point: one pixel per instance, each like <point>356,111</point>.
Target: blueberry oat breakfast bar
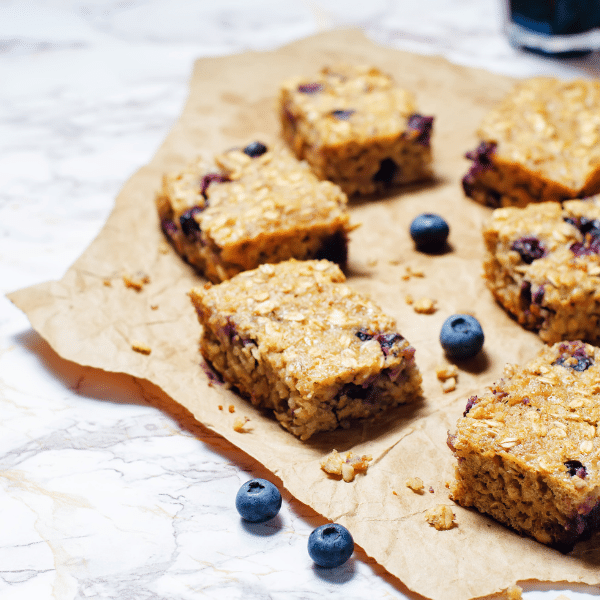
<point>252,206</point>
<point>356,127</point>
<point>528,450</point>
<point>542,264</point>
<point>539,144</point>
<point>294,338</point>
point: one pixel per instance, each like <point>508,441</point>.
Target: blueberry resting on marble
<point>330,545</point>
<point>258,500</point>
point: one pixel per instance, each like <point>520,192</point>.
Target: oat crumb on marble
<point>345,465</point>
<point>441,517</point>
<point>416,485</point>
<point>514,592</point>
<point>141,348</point>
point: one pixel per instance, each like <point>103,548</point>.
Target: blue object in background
<point>534,25</point>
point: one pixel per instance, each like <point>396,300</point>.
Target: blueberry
<point>330,545</point>
<point>529,248</point>
<point>258,500</point>
<point>461,336</point>
<point>342,115</point>
<point>255,149</point>
<point>429,231</point>
<point>310,88</point>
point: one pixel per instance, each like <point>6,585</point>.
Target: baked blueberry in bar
<point>528,448</point>
<point>542,264</point>
<point>251,206</point>
<point>294,338</point>
<point>357,128</point>
<point>539,144</point>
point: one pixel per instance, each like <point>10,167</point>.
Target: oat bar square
<point>539,144</point>
<point>294,338</point>
<point>542,264</point>
<point>357,128</point>
<point>528,449</point>
<point>252,206</point>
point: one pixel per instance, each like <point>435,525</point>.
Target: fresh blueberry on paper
<point>330,545</point>
<point>429,232</point>
<point>258,500</point>
<point>461,336</point>
<point>255,149</point>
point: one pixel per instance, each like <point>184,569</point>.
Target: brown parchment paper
<point>231,102</point>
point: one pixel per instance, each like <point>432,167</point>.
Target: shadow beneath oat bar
<point>368,430</point>
<point>397,191</point>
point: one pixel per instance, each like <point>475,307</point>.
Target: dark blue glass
<point>534,23</point>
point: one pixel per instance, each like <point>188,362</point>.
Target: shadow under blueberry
<point>476,365</point>
<point>265,529</point>
<point>337,575</point>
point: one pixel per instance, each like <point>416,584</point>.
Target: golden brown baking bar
<point>541,143</point>
<point>542,264</point>
<point>528,449</point>
<point>357,128</point>
<point>294,338</point>
<point>250,206</point>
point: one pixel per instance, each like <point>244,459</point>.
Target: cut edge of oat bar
<point>523,461</point>
<point>323,386</point>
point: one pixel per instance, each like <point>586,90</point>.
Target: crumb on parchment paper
<point>425,306</point>
<point>345,465</point>
<point>409,272</point>
<point>240,423</point>
<point>441,517</point>
<point>416,485</point>
<point>448,375</point>
<point>141,348</point>
<point>137,281</point>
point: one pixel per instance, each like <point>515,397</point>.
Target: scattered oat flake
<point>137,281</point>
<point>107,283</point>
<point>409,299</point>
<point>444,372</point>
<point>441,517</point>
<point>408,273</point>
<point>514,592</point>
<point>425,306</point>
<point>220,407</point>
<point>449,385</point>
<point>154,306</point>
<point>372,262</point>
<point>415,484</point>
<point>141,348</point>
<point>239,423</point>
<point>345,465</point>
<point>231,408</point>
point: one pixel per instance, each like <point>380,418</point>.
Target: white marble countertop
<point>102,493</point>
